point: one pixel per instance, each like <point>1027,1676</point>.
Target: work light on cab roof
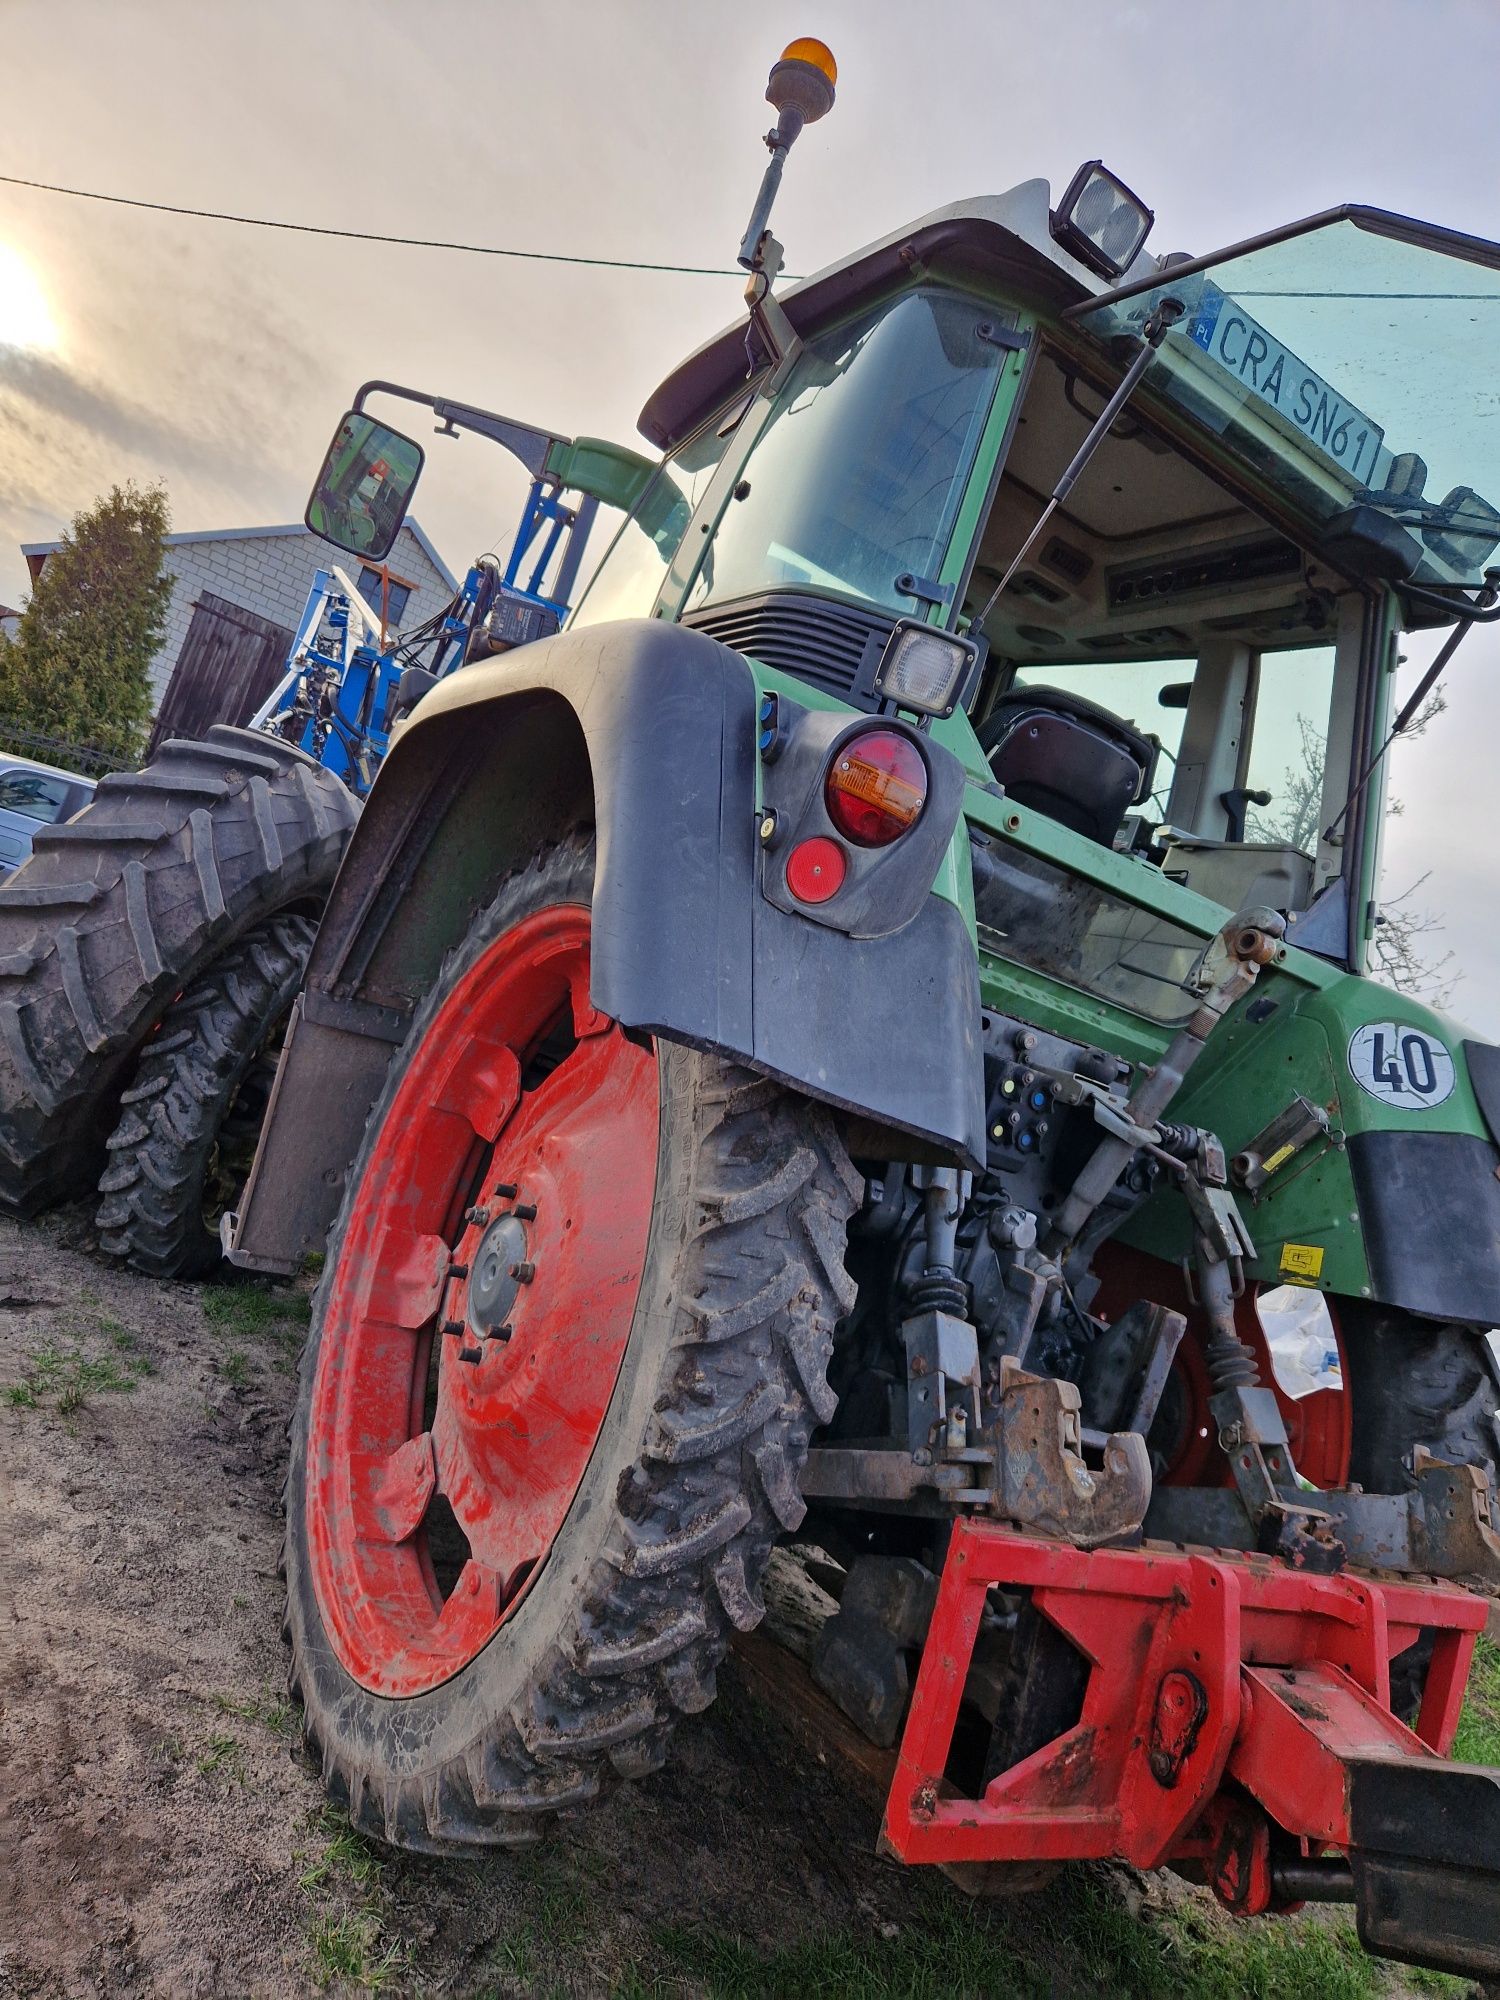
<point>1101,222</point>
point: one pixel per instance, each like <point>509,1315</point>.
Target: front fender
<point>649,731</point>
<point>1401,1205</point>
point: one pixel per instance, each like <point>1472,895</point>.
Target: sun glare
<point>25,318</point>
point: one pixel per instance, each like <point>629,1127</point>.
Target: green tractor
<point>863,1039</point>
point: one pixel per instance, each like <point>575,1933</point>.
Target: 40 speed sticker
<point>1401,1065</point>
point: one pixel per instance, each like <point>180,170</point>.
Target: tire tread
<point>118,911</point>
<point>713,1483</point>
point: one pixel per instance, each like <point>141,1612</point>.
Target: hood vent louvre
<point>827,643</point>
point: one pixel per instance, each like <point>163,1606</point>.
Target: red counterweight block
<point>1211,1676</point>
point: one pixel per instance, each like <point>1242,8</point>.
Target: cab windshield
<point>1351,364</point>
<point>635,565</point>
<point>855,481</point>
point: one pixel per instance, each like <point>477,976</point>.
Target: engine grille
<point>830,645</point>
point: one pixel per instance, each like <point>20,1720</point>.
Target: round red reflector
<point>815,869</point>
<point>876,788</point>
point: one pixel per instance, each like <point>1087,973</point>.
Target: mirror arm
<point>1481,610</point>
<point>527,443</point>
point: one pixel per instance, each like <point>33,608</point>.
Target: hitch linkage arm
<point>1249,941</point>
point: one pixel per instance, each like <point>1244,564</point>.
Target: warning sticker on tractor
<point>1403,1066</point>
<point>1302,1263</point>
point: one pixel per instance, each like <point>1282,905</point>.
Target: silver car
<point>33,795</point>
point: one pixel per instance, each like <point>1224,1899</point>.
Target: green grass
<point>66,1375</point>
<point>273,1316</point>
<point>1478,1739</point>
<point>123,1341</point>
<point>1082,1940</point>
<point>222,1757</point>
<point>235,1368</point>
<point>272,1710</point>
<point>346,1857</point>
<point>349,1936</point>
<point>353,1947</point>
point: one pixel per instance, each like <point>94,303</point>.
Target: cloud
<point>36,386</point>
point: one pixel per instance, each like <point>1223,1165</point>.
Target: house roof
<point>424,542</point>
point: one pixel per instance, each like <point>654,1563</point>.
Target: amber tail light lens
<point>876,787</point>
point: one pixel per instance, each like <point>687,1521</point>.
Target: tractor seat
<point>1069,759</point>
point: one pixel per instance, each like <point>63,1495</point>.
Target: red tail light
<point>876,788</point>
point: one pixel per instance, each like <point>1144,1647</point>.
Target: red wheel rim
<point>1319,1427</point>
<point>500,1226</point>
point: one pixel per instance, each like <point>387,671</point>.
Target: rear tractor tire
<point>120,910</point>
<point>190,1119</point>
<point>1416,1382</point>
<point>565,1359</point>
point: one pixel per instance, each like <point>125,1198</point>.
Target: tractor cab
<point>1188,664</point>
<point>1267,582</point>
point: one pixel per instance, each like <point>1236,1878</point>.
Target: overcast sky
<point>218,357</point>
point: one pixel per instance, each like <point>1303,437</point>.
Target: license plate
<point>1267,369</point>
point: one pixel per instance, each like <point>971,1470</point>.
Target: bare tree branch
<point>1401,951</point>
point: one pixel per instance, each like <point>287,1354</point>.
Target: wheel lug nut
<point>524,1272</point>
<point>505,1190</point>
<point>478,1216</point>
<point>526,1211</point>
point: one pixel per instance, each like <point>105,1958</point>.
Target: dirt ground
<point>162,1833</point>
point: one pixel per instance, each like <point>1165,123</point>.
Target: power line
<point>375,236</point>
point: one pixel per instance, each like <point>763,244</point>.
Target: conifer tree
<point>78,668</point>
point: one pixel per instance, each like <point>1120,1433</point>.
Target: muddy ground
<point>162,1833</point>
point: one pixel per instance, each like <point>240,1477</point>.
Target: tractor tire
<point>1415,1382</point>
<point>190,1119</point>
<point>541,1452</point>
<point>120,909</point>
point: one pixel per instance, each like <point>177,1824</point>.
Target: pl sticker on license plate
<point>1403,1066</point>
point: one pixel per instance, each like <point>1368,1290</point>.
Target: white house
<point>237,597</point>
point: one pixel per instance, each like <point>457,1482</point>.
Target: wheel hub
<point>495,1276</point>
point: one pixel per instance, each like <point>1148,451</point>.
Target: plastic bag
<point>1304,1347</point>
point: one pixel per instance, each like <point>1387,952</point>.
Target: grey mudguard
<point>1429,1206</point>
<point>648,729</point>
